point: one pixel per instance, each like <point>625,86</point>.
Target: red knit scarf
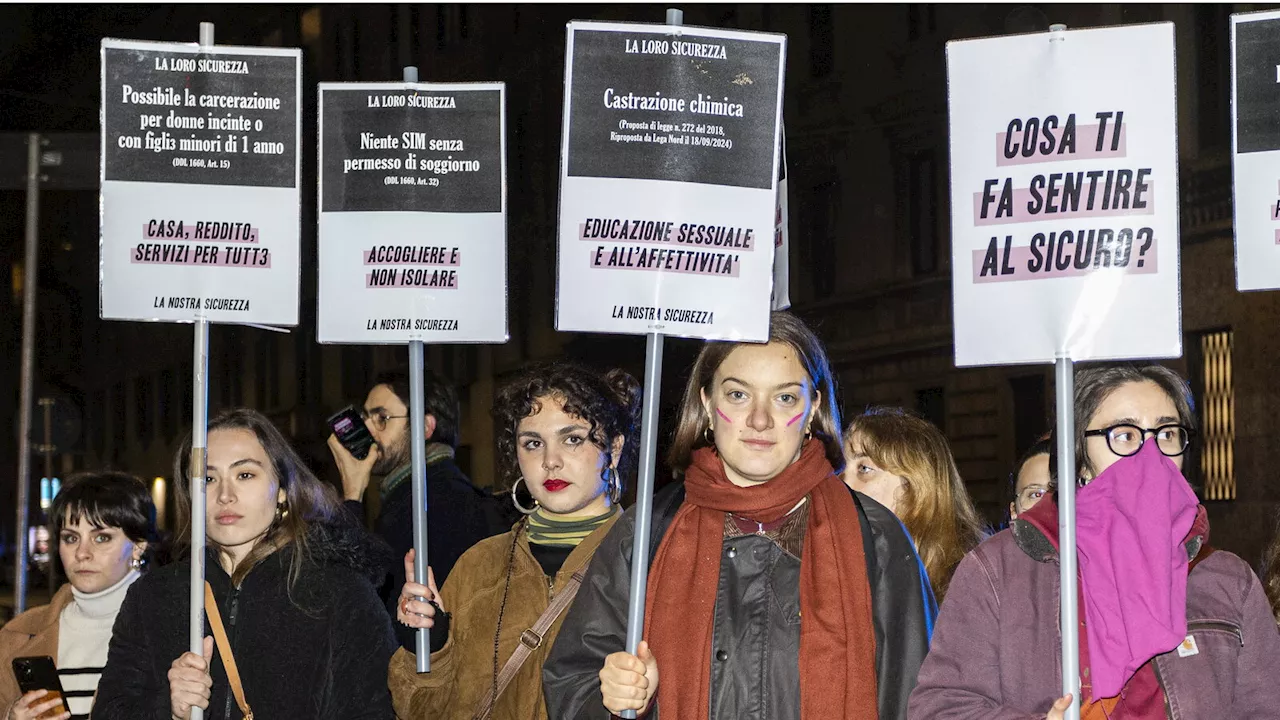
<point>837,637</point>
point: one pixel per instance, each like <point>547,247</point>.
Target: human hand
<point>189,682</point>
<point>413,612</point>
<point>1059,709</point>
<point>355,473</point>
<point>629,682</point>
<point>35,704</point>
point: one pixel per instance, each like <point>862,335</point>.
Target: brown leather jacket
<point>462,671</point>
<point>33,633</point>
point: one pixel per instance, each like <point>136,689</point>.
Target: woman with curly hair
<point>903,461</point>
<point>567,434</point>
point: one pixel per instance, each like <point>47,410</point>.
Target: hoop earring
<point>516,501</point>
<point>808,433</point>
<point>614,483</point>
<point>708,437</point>
<point>136,563</point>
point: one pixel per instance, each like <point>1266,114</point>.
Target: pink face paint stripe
<point>793,420</point>
<point>723,416</point>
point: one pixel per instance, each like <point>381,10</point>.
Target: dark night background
<point>865,115</point>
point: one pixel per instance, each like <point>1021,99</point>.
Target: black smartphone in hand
<point>39,673</point>
<point>349,427</point>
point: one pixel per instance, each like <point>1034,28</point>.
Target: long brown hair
<point>307,499</point>
<point>1271,574</point>
<point>936,507</point>
<point>783,328</point>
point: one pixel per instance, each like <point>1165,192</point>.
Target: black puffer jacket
<point>755,671</point>
<point>322,655</point>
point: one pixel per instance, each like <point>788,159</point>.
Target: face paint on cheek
<point>793,420</point>
<point>723,416</point>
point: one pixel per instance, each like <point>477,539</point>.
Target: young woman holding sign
<point>567,435</point>
<point>1169,628</point>
<point>105,527</point>
<point>300,630</point>
<point>905,463</point>
<point>774,591</point>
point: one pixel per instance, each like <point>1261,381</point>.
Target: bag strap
<point>530,640</point>
<point>224,650</point>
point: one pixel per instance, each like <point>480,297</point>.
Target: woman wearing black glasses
<point>1169,628</point>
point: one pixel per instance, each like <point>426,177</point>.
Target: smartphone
<point>39,673</point>
<point>348,426</point>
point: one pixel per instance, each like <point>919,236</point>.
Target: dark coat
<point>328,661</point>
<point>459,515</point>
<point>755,672</point>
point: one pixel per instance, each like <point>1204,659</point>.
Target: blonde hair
<point>936,507</point>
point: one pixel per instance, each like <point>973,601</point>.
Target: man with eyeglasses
<point>458,513</point>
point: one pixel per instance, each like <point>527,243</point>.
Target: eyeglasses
<point>1125,439</point>
<point>379,417</point>
<point>1029,496</point>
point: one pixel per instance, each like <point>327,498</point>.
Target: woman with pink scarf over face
<point>1169,627</point>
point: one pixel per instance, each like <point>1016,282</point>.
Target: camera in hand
<point>350,430</point>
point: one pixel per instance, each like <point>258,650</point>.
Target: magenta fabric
<point>1131,522</point>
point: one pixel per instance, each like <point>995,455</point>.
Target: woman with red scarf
<point>774,590</point>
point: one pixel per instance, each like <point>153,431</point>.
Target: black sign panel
<point>1257,86</point>
<point>200,118</point>
<point>411,150</point>
<point>682,107</point>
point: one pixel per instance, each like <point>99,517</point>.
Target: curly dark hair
<point>610,403</point>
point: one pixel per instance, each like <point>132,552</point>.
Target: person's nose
<point>758,418</point>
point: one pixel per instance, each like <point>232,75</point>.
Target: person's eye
<point>246,475</point>
<point>1036,494</point>
<point>788,399</point>
<point>208,480</point>
<point>1122,435</point>
<point>865,469</point>
<point>102,538</point>
<point>736,395</point>
<point>574,440</point>
<point>531,445</point>
<point>68,539</point>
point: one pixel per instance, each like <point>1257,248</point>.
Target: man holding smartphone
<point>458,513</point>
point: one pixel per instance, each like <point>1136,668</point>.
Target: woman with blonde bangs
<point>903,461</point>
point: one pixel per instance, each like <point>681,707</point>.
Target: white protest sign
<point>668,180</point>
<point>412,213</point>
<point>1255,147</point>
<point>1064,196</point>
<point>200,182</point>
<point>782,240</point>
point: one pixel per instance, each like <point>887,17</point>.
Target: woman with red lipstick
<point>774,590</point>
<point>105,527</point>
<point>1169,627</point>
<point>292,581</point>
<point>566,437</point>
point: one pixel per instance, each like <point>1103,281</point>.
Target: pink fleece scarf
<point>1131,523</point>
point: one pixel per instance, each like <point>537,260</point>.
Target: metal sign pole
<point>418,453</point>
<point>1070,610</point>
<point>27,371</point>
<point>644,492</point>
<point>199,458</point>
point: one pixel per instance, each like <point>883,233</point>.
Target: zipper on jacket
<point>1216,625</point>
<point>231,637</point>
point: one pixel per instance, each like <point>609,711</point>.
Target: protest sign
<point>412,216</point>
<point>782,240</point>
<point>1255,146</point>
<point>200,182</point>
<point>668,180</point>
<point>1064,196</point>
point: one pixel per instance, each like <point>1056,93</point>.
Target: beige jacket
<point>33,633</point>
<point>462,671</point>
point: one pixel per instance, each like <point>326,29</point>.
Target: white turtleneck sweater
<point>84,633</point>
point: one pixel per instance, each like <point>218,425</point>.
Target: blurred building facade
<point>867,144</point>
